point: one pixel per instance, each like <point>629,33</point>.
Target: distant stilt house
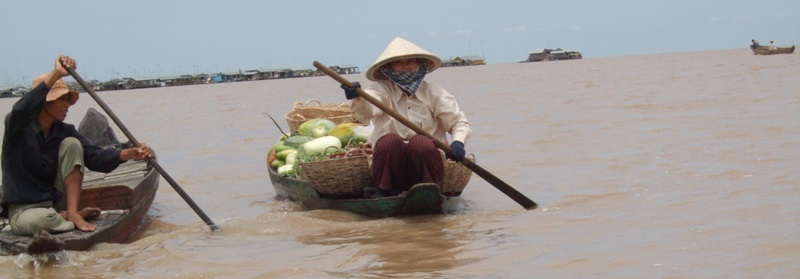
<point>240,75</point>
<point>181,80</point>
<point>226,77</point>
<point>270,73</point>
<point>563,54</point>
<point>217,78</point>
<point>537,55</point>
<point>186,80</point>
<point>307,72</point>
<point>124,83</point>
<point>284,73</point>
<point>302,73</point>
<point>547,54</point>
<point>142,82</point>
<point>107,85</point>
<point>251,75</point>
<point>202,79</point>
<point>558,54</point>
<point>347,69</point>
<point>469,60</point>
<point>278,73</point>
<point>340,69</point>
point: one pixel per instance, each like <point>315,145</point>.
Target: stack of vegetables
<point>315,139</point>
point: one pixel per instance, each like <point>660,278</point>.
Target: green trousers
<point>28,219</point>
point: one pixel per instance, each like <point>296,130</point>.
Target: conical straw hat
<point>399,48</point>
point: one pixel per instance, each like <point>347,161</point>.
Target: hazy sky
<point>113,39</point>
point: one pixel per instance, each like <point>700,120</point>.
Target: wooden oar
<point>136,143</point>
<point>486,175</point>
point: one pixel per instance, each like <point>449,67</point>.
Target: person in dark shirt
<point>43,159</point>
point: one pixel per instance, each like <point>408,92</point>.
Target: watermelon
<point>316,128</point>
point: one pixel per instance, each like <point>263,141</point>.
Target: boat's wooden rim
<point>421,199</point>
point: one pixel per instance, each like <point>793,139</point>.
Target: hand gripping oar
<point>136,143</point>
<point>496,182</point>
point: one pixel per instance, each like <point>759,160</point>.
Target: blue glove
<point>457,151</point>
<point>350,92</point>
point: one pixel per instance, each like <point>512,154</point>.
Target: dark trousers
<point>398,164</point>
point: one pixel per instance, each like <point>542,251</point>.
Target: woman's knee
<point>421,144</point>
<point>391,149</point>
<point>390,139</point>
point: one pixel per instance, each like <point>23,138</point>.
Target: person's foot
<point>88,213</point>
<point>81,217</point>
<point>43,242</point>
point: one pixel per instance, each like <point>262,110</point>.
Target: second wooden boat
<point>424,198</point>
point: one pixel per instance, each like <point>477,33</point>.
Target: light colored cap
<point>399,48</point>
<point>57,90</point>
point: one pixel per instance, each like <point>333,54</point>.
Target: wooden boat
<point>765,50</point>
<point>339,182</point>
<point>422,199</point>
<point>124,196</point>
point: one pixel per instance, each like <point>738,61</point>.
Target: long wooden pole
<point>486,175</point>
<point>136,143</point>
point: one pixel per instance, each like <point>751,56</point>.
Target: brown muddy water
<point>680,165</point>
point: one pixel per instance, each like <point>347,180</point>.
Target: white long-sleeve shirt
<point>432,108</point>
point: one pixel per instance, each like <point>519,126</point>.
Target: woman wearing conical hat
<point>402,158</point>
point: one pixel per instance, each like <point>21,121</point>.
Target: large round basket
<point>301,112</point>
<point>344,176</point>
<point>456,176</point>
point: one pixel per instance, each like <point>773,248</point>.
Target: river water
<point>679,165</point>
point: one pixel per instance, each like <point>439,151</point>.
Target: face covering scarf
<point>409,81</point>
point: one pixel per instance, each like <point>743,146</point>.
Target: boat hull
<point>765,50</point>
<point>422,199</point>
<point>124,196</point>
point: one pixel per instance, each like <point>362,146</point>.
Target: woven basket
<point>343,175</point>
<point>456,176</point>
<point>301,112</point>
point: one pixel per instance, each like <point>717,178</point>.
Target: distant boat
<point>765,50</point>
